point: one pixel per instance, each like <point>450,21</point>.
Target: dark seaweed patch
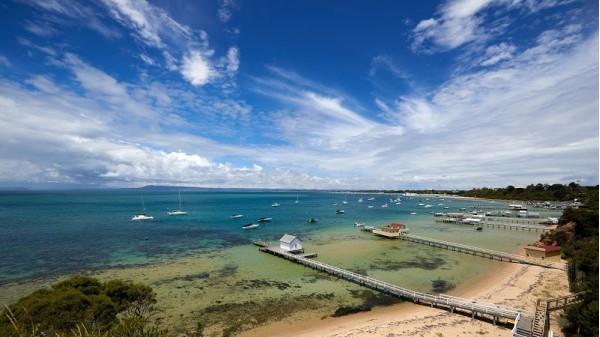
<point>258,284</point>
<point>342,311</point>
<point>228,270</point>
<point>370,299</point>
<point>359,270</point>
<point>253,313</point>
<point>420,262</point>
<point>441,286</point>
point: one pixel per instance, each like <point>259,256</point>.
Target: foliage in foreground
<point>577,234</point>
<point>81,306</point>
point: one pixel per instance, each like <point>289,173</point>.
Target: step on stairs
<point>523,328</point>
<point>539,320</point>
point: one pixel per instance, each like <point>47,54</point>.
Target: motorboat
<point>236,216</point>
<point>265,219</point>
<point>339,211</point>
<point>275,205</point>
<point>359,224</point>
<point>250,226</point>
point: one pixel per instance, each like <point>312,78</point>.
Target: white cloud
<point>4,61</point>
<point>147,59</point>
<point>537,110</point>
<point>458,24</point>
<point>226,8</point>
<point>233,60</point>
<point>140,17</point>
<point>183,49</point>
<point>387,63</point>
<point>83,14</point>
<point>497,53</point>
<point>196,69</point>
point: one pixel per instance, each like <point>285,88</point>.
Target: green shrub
<point>81,304</point>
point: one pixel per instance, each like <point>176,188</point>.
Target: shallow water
<point>203,265</point>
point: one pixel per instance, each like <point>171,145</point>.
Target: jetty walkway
<point>475,307</point>
<point>522,319</point>
<point>505,225</point>
<point>487,253</point>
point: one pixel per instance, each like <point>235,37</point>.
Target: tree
<point>78,301</point>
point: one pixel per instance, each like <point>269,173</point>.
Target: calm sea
<point>46,234</point>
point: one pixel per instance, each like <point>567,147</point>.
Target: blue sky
<point>298,94</point>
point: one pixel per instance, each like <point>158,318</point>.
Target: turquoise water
<point>55,233</point>
<point>203,266</point>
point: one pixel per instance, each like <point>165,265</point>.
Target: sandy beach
<point>179,291</point>
<point>513,285</point>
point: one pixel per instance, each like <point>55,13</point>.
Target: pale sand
<point>513,285</point>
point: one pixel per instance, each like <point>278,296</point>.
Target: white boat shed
<point>290,243</point>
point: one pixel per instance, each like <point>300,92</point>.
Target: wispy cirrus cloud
<point>459,22</point>
<point>462,22</point>
<point>80,14</point>
<point>536,106</point>
<point>184,50</point>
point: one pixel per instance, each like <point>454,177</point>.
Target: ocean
<point>45,235</point>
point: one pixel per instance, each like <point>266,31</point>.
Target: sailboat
<point>142,216</point>
<point>178,211</point>
<point>345,202</point>
<point>296,200</point>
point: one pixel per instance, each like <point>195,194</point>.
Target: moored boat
<point>236,216</point>
<point>250,226</point>
<point>179,211</point>
<point>264,219</point>
<point>142,217</point>
<point>313,220</point>
<point>339,211</point>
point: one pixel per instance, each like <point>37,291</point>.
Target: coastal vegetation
<point>577,235</point>
<point>539,192</point>
<point>82,306</point>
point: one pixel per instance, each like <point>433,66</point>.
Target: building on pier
<point>291,243</point>
<point>392,230</point>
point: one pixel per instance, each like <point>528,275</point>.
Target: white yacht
<point>142,216</point>
<point>177,211</point>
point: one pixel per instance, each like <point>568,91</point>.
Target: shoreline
<point>512,284</point>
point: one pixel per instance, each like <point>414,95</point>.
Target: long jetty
<point>522,319</point>
<point>475,307</point>
<point>510,226</point>
<point>487,253</point>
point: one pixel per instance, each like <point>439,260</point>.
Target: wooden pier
<point>487,253</point>
<point>454,304</point>
<point>509,226</point>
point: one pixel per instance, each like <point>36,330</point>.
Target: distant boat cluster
<point>253,225</point>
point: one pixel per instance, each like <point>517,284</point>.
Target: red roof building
<point>543,252</point>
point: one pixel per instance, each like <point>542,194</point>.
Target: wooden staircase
<point>540,319</point>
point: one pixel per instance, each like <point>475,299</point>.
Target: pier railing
<point>450,302</point>
<point>488,253</point>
